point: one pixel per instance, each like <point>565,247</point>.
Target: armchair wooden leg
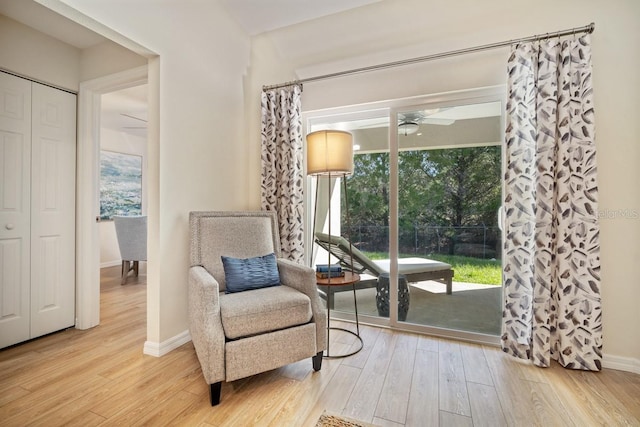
<point>214,393</point>
<point>317,361</point>
<point>127,267</point>
<point>125,271</point>
<point>135,268</point>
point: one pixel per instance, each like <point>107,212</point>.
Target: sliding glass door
<point>422,213</point>
<point>359,217</point>
<point>449,194</point>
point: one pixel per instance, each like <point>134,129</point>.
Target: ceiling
<point>453,126</point>
<point>254,16</point>
<point>259,16</point>
<point>126,110</point>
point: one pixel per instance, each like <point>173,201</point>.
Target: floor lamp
<point>330,155</point>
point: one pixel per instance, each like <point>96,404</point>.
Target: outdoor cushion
<point>413,265</point>
<point>263,310</point>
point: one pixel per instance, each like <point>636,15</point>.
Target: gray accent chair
<point>131,232</point>
<point>237,335</point>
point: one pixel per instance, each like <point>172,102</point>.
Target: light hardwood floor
<point>101,377</point>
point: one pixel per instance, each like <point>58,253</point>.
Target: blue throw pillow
<point>245,274</point>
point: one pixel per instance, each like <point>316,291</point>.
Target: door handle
<point>9,226</point>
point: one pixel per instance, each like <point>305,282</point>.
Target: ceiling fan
<point>409,123</point>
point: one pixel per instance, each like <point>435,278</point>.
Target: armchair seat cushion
<point>263,310</point>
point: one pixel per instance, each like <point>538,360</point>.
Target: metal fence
<point>478,241</point>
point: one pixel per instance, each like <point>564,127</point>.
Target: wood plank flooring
<point>100,377</point>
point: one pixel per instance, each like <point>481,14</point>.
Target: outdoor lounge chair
<point>413,269</point>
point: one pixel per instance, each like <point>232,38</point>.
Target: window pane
<point>449,167</point>
<point>362,217</point>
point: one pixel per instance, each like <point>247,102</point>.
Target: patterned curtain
<point>282,166</point>
<point>552,269</point>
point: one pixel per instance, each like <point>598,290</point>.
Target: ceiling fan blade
<point>133,117</point>
<point>444,122</point>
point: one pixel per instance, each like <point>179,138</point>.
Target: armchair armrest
<point>205,324</point>
<point>303,279</point>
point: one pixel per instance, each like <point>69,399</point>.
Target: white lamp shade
<point>329,152</point>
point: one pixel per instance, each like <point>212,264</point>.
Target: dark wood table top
<point>349,278</point>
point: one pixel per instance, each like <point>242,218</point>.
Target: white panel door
<point>53,165</point>
<point>15,232</point>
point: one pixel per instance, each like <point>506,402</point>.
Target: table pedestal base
<point>331,356</point>
<point>383,296</point>
<point>349,278</point>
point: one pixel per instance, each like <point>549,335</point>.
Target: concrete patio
<point>471,307</point>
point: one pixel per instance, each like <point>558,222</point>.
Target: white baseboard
<point>160,349</point>
<point>620,363</point>
<point>110,263</point>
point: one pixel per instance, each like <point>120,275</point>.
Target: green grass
<point>466,269</point>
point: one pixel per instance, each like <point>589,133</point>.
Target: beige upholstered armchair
<point>242,319</point>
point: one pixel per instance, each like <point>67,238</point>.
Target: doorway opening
<point>89,146</point>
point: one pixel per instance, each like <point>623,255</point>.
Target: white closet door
<point>15,227</point>
<point>53,165</point>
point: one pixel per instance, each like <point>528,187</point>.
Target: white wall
<point>33,54</point>
<point>38,56</point>
<point>201,156</point>
<point>394,30</point>
<point>109,251</point>
<point>121,142</point>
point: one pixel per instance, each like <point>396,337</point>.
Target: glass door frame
<point>393,108</point>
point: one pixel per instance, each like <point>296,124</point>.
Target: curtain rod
<point>573,31</point>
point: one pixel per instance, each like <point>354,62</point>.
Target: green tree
<point>368,190</point>
<point>446,187</point>
<point>465,184</point>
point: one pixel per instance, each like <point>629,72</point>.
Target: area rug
<point>332,420</point>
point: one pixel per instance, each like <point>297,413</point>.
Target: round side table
<point>349,278</point>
